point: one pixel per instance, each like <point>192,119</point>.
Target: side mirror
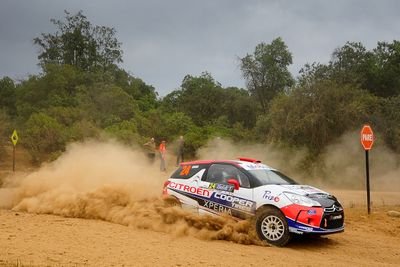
<point>234,182</point>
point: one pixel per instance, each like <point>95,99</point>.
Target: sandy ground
<point>46,240</point>
<point>122,236</point>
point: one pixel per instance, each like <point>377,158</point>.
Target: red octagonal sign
<point>367,137</point>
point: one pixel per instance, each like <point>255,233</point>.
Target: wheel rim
<point>272,228</point>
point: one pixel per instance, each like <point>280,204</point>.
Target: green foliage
<point>314,116</point>
<point>43,136</point>
<point>77,42</point>
<point>95,102</point>
<point>8,95</point>
<point>145,95</point>
<point>196,97</point>
<point>81,130</point>
<point>266,71</point>
<point>384,78</point>
<point>125,131</point>
<point>205,101</point>
<point>238,106</point>
<point>56,88</point>
<point>388,121</point>
<point>376,71</point>
<point>175,124</point>
<point>5,131</point>
<point>82,93</point>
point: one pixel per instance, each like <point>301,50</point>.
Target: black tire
<point>271,226</point>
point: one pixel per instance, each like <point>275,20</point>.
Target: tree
<point>125,131</point>
<point>56,88</point>
<point>5,131</point>
<point>106,104</point>
<point>385,75</point>
<point>350,64</point>
<point>376,71</point>
<point>266,71</point>
<point>43,136</point>
<point>312,73</point>
<point>388,121</point>
<point>77,42</point>
<point>137,88</point>
<point>8,95</point>
<point>313,116</point>
<point>239,107</point>
<point>200,98</point>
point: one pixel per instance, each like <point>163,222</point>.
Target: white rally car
<point>245,188</point>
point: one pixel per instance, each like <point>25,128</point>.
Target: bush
<point>43,137</point>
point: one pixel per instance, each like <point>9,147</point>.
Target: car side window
<point>243,179</point>
<point>221,173</point>
<point>215,174</point>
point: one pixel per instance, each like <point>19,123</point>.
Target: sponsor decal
<point>267,195</point>
<point>236,202</point>
<point>256,166</point>
<point>311,212</point>
<point>222,187</point>
<point>305,228</point>
<point>217,207</point>
<point>336,217</point>
<point>190,189</point>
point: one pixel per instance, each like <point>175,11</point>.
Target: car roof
<point>246,163</point>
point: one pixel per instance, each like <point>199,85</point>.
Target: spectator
<point>163,150</point>
<point>151,149</point>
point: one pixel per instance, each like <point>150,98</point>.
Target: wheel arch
<point>264,206</point>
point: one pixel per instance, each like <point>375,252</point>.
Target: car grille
<point>333,208</point>
<point>332,220</point>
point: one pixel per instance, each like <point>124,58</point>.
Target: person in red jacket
<point>163,150</point>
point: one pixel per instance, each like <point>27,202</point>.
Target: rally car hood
<point>304,190</point>
<point>322,197</point>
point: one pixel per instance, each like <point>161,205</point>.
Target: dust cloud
<point>341,165</point>
<point>344,163</point>
<point>112,182</point>
<point>115,183</point>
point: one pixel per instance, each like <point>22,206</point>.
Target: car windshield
<point>271,177</point>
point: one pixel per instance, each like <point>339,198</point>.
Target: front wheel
<point>272,226</point>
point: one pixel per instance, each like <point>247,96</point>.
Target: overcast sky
<point>164,40</point>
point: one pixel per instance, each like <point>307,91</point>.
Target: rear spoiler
<point>250,160</point>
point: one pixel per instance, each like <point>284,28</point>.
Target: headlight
<point>301,200</point>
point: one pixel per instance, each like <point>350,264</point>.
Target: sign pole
<point>14,140</point>
<point>367,139</point>
<point>13,158</point>
<point>368,190</point>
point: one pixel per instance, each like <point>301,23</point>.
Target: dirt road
<point>50,240</point>
<point>98,205</point>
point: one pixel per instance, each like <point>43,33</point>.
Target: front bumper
<point>315,220</point>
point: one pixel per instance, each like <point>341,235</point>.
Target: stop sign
<point>367,137</point>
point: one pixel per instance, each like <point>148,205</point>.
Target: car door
<point>225,198</point>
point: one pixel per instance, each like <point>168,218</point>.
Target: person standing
<point>163,150</point>
<point>151,149</point>
<point>180,150</point>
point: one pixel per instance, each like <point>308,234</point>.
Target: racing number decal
<point>185,170</point>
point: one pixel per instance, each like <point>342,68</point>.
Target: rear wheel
<point>272,226</point>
